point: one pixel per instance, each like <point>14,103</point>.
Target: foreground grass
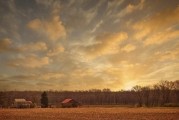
<point>90,114</point>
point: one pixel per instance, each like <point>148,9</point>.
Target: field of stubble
<point>90,114</point>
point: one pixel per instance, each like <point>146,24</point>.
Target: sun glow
<point>50,44</point>
<point>129,85</point>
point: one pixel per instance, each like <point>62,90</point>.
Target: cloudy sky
<point>86,44</point>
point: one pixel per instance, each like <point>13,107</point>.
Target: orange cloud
<point>50,76</point>
<point>31,61</point>
<point>129,48</point>
<point>156,27</point>
<point>5,44</point>
<point>105,44</point>
<point>38,46</point>
<point>56,50</point>
<point>167,55</point>
<point>122,74</point>
<point>53,28</point>
<point>162,37</point>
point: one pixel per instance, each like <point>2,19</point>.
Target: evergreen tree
<point>44,100</point>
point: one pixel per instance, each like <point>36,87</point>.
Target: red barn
<point>69,103</point>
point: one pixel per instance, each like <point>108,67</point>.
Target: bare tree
<point>145,95</point>
<point>165,87</point>
<point>155,95</point>
<point>138,90</point>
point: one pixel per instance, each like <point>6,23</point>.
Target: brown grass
<point>90,114</point>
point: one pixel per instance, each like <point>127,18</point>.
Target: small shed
<point>22,103</point>
<point>67,103</point>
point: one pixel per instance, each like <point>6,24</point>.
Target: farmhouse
<point>22,103</point>
<point>69,103</point>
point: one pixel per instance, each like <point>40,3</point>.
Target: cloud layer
<point>79,45</point>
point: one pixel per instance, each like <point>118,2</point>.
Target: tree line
<point>165,93</point>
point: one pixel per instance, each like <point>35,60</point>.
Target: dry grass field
<point>90,114</point>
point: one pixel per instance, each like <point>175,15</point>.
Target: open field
<point>90,114</point>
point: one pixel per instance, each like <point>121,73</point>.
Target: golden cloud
<point>50,76</point>
<point>30,61</point>
<point>117,76</point>
<point>80,73</point>
<point>53,28</point>
<point>105,44</point>
<point>56,50</point>
<point>131,8</point>
<point>129,48</point>
<point>5,44</point>
<point>162,37</point>
<point>38,46</point>
<point>22,77</point>
<point>154,25</point>
<point>167,55</point>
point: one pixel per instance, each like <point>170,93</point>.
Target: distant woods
<point>165,93</point>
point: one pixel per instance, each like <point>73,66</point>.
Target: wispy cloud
<point>162,37</point>
<point>167,55</point>
<point>129,48</point>
<point>131,8</point>
<point>104,44</point>
<point>56,50</point>
<point>53,29</point>
<point>85,44</point>
<point>29,61</point>
<point>97,26</point>
<point>153,30</point>
<point>38,46</point>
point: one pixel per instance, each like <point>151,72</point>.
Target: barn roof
<point>67,100</point>
<point>29,102</point>
<point>20,100</point>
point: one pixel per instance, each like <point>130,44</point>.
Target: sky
<point>87,44</point>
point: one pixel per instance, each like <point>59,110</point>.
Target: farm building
<point>69,103</point>
<point>22,103</point>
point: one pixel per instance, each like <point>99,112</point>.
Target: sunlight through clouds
<point>87,44</point>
